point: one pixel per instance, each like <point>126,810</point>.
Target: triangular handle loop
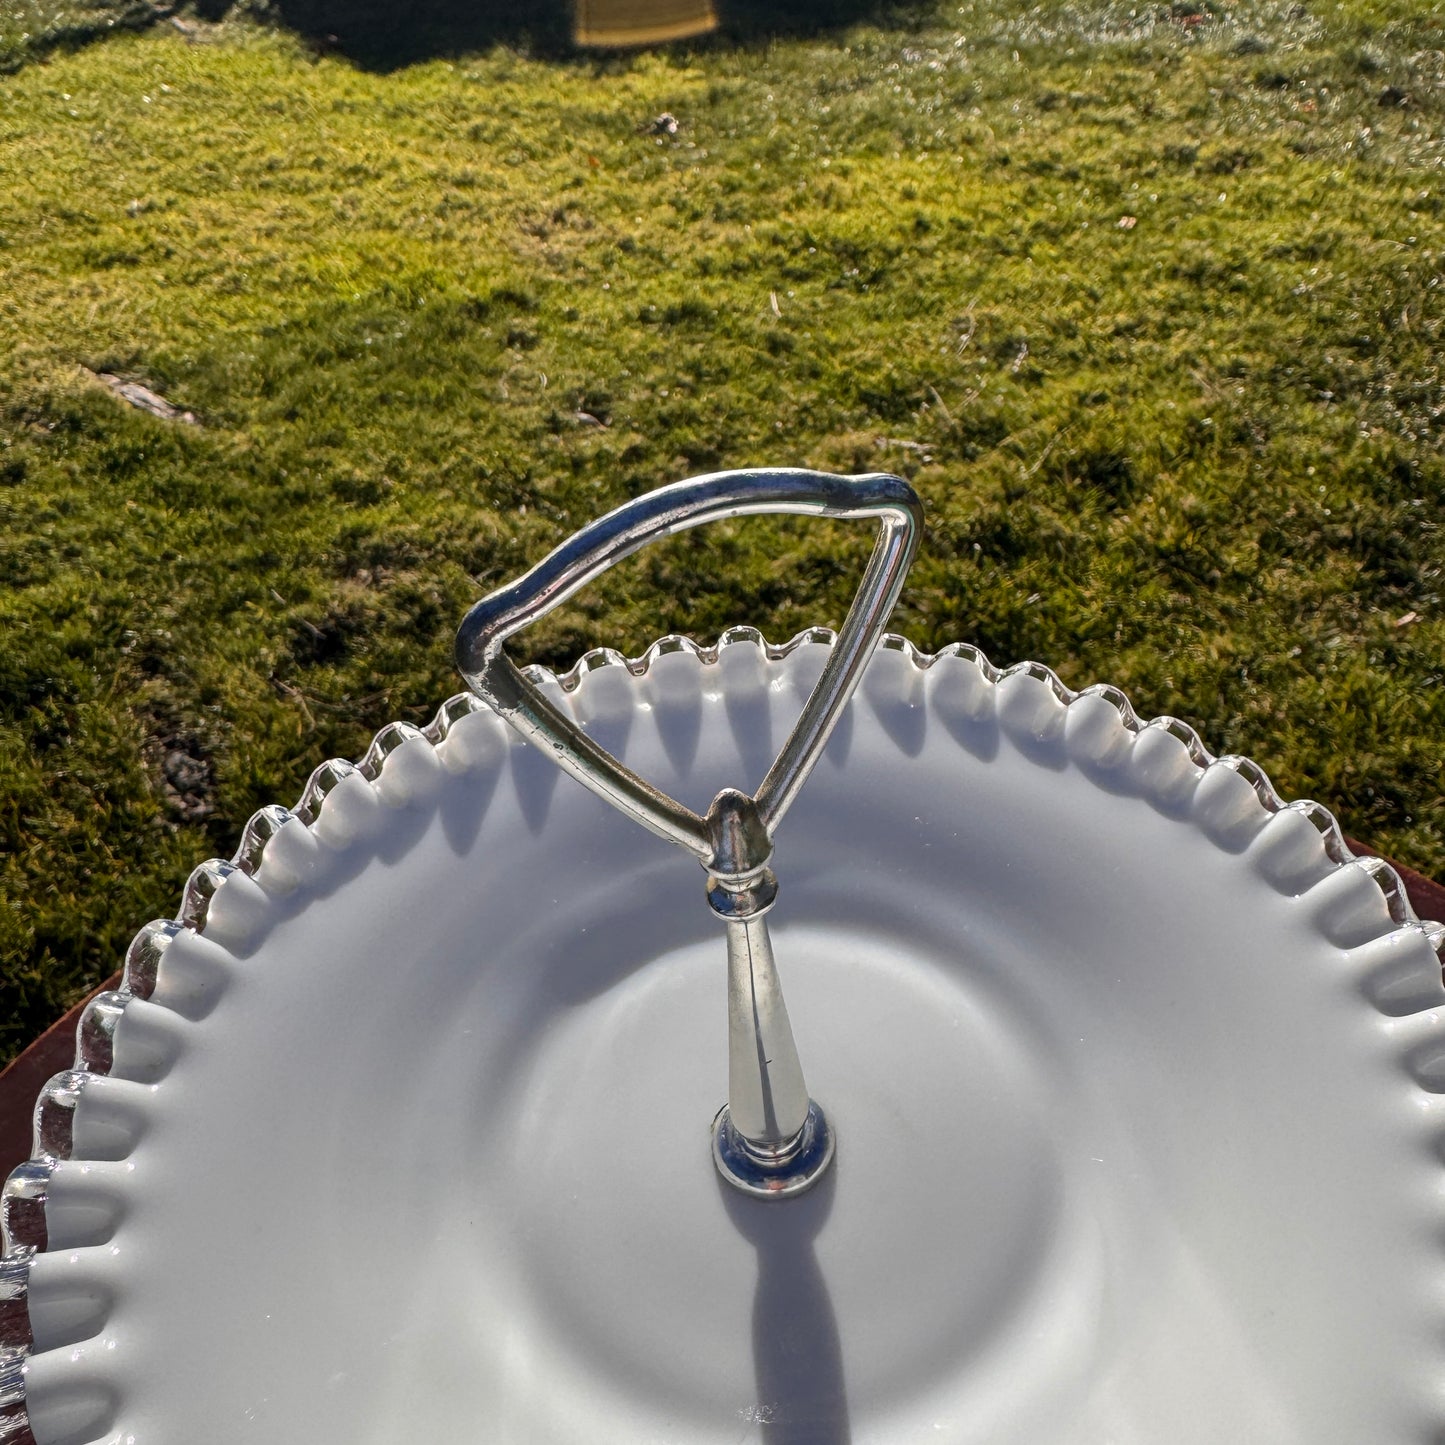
<point>887,500</point>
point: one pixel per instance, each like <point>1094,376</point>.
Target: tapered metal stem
<point>767,1098</point>
<point>770,1139</point>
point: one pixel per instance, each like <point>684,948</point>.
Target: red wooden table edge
<point>24,1076</point>
<point>54,1051</point>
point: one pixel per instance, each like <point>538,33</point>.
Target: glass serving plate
<point>400,1130</point>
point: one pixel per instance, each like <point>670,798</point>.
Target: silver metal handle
<point>888,500</point>
<point>770,1139</point>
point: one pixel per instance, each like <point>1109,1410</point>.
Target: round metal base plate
<point>754,1173</point>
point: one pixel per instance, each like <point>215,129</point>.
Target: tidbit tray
<point>1146,1149</point>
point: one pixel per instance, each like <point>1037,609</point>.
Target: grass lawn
<point>1146,301</point>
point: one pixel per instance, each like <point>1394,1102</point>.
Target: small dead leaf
<point>773,302</point>
<point>142,397</point>
<point>1407,619</point>
<point>919,449</point>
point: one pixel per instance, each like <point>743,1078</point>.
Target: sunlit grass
<point>1147,304</point>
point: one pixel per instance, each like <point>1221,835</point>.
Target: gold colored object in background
<point>642,22</point>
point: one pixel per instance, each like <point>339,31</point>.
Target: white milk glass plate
<point>401,1130</point>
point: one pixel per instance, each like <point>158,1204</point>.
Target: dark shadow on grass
<point>135,15</point>
<point>748,22</point>
<point>383,35</point>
